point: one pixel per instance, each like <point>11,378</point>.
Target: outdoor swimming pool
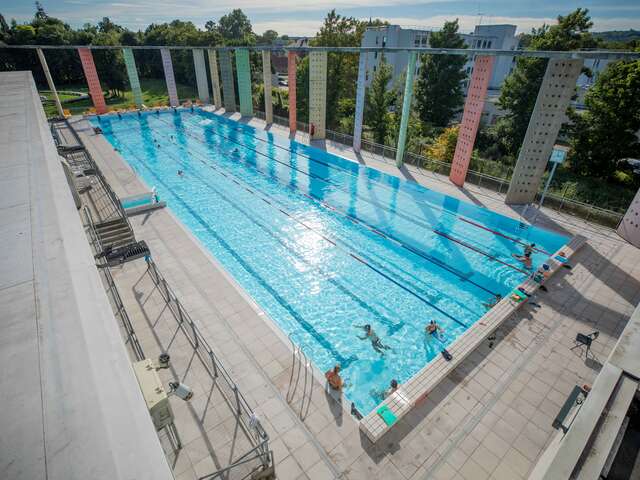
<point>323,244</point>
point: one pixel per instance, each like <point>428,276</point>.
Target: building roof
<point>72,408</point>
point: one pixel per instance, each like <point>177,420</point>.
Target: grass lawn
<point>154,92</point>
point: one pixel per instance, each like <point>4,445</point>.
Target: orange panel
<point>93,82</point>
<point>473,106</point>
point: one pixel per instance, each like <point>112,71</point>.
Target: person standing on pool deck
<point>334,379</point>
<point>376,343</point>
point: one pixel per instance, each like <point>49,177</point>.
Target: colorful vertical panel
<point>243,71</point>
<point>629,227</point>
<point>201,75</point>
<point>93,82</point>
<point>317,94</point>
<point>132,73</point>
<point>406,109</point>
<point>291,74</point>
<point>167,65</point>
<point>228,88</point>
<point>473,106</point>
<point>357,127</point>
<point>557,88</point>
<point>266,78</point>
<point>52,86</point>
<point>215,78</point>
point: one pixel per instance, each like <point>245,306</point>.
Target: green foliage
<point>235,26</point>
<point>439,93</point>
<point>520,89</point>
<point>379,101</point>
<point>606,133</point>
<point>444,145</point>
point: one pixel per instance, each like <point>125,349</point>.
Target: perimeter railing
<point>245,414</point>
<point>561,203</point>
<point>118,307</point>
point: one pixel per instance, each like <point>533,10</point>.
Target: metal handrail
<point>121,311</point>
<point>212,363</point>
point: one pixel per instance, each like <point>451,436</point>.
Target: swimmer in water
<point>376,343</point>
<point>180,173</point>
<point>432,328</point>
<point>493,302</point>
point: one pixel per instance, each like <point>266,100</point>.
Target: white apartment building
<point>500,37</point>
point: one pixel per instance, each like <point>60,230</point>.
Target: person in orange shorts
<point>334,379</point>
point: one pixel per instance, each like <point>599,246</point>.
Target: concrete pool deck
<point>490,418</point>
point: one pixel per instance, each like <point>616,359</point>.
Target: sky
<point>304,17</point>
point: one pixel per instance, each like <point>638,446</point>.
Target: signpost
<point>558,156</point>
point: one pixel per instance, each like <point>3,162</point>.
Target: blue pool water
<point>324,244</point>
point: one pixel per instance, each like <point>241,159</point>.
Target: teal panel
<point>132,73</point>
<point>244,82</point>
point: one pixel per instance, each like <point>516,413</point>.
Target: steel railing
<point>245,414</point>
<point>119,309</point>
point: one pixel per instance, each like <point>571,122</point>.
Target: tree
<point>439,93</point>
<point>379,101</point>
<point>444,146</point>
<point>520,88</point>
<point>235,26</point>
<point>606,133</point>
<point>268,37</point>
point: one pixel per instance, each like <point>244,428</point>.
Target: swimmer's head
<point>394,383</point>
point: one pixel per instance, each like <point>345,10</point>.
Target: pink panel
<point>473,107</point>
<point>93,82</point>
<point>291,71</point>
<point>169,78</point>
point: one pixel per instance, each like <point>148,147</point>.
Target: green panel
<point>406,109</point>
<point>132,72</point>
<point>244,82</point>
<point>318,93</point>
<point>228,87</point>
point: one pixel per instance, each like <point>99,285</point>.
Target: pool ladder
<point>300,359</point>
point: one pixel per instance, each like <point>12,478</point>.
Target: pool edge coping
<point>412,393</point>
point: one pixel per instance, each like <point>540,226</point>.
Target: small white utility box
<point>153,393</point>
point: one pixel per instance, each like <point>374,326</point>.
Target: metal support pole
<point>213,362</point>
<point>546,187</point>
<point>52,87</point>
<point>406,109</point>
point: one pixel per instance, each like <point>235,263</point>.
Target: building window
<point>416,42</point>
<point>489,44</point>
<point>384,42</point>
<point>424,40</point>
<point>376,40</point>
<point>375,55</point>
<point>484,44</point>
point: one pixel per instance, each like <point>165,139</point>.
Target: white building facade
<point>501,37</point>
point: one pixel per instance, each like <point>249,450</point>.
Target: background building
<point>501,37</point>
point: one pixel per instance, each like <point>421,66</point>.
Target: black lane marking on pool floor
<point>352,174</point>
<point>373,229</point>
<point>375,204</point>
<point>299,318</point>
<point>343,249</point>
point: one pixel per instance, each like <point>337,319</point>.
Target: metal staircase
<point>115,233</point>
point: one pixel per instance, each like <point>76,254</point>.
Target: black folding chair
<point>586,341</point>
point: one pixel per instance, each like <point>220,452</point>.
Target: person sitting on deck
<point>97,130</point>
<point>376,343</point>
<point>334,379</point>
<point>494,302</point>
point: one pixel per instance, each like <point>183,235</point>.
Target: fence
<point>560,203</point>
<point>216,369</point>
